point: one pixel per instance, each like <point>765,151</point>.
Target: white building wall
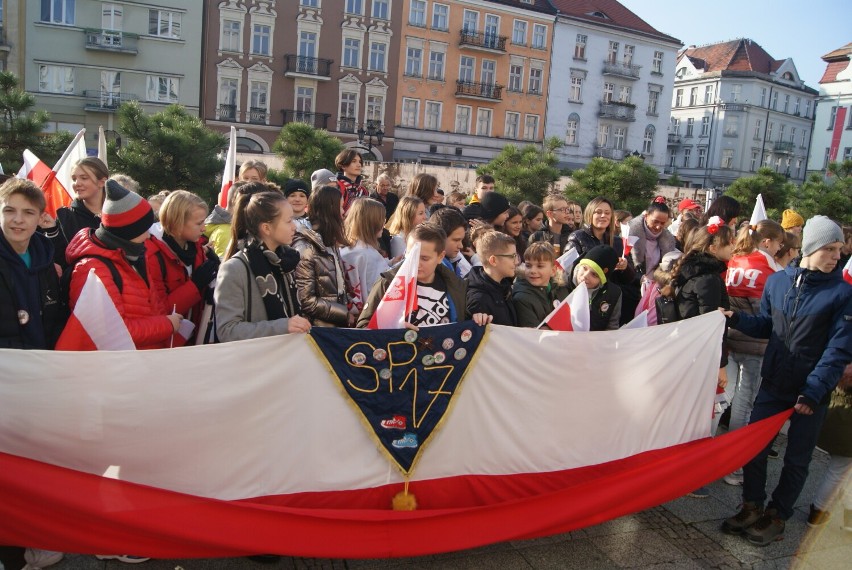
<point>834,94</point>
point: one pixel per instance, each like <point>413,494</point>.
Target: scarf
<point>186,255</point>
<point>273,272</point>
<point>652,249</point>
<point>135,252</point>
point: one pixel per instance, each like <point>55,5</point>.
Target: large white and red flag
<point>572,313</point>
<point>56,183</point>
<point>847,271</point>
<point>400,299</point>
<point>230,173</point>
<point>124,441</point>
<point>95,323</point>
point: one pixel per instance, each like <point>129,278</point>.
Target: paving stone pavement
<point>680,535</point>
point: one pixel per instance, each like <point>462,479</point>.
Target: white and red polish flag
<point>572,314</point>
<point>229,174</point>
<point>627,240</point>
<point>400,299</point>
<point>95,323</point>
<point>567,259</point>
<point>758,214</point>
<point>847,271</point>
<point>56,183</point>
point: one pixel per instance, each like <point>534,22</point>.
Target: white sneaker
<point>37,558</point>
<point>126,558</point>
<point>735,478</point>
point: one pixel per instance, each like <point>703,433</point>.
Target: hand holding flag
<point>400,299</point>
<point>628,240</point>
<point>572,314</point>
<point>566,261</point>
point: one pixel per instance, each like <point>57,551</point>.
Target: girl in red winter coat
<point>181,269</point>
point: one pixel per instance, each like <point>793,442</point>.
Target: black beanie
<point>296,185</point>
<point>602,259</point>
<point>493,204</point>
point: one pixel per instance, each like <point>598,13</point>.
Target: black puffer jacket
<point>701,288</point>
<point>484,295</point>
<point>69,221</point>
<point>545,234</point>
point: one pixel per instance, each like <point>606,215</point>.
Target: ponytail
<point>750,237</point>
<point>251,209</point>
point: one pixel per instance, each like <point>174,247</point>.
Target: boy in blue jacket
<point>806,313</point>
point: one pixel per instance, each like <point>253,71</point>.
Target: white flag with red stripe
<point>230,169</point>
<point>56,183</point>
<point>95,323</point>
<point>572,314</point>
<point>401,297</point>
<point>567,259</point>
<point>847,271</point>
<point>758,214</point>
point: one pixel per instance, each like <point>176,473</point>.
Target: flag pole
<point>63,158</point>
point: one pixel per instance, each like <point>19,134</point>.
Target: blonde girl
<point>410,213</point>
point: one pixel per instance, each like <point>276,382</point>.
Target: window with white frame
<point>727,158</point>
<point>571,129</point>
<point>483,122</point>
<point>702,157</point>
<point>381,9</point>
<point>657,63</point>
<point>754,155</point>
<point>112,16</point>
<point>672,159</point>
<point>767,160</point>
<point>304,102</point>
<point>608,90</point>
<point>846,154</point>
<point>690,126</point>
<point>786,102</point>
<point>539,36</point>
<point>463,114</point>
<point>492,30</point>
<point>375,108</point>
<point>260,38</point>
<point>675,128</point>
<point>531,127</point>
<point>513,125</point>
<point>258,101</point>
<point>653,101</point>
<point>832,117</point>
<point>826,158</point>
<point>470,21</point>
<point>436,65</point>
<point>612,53</point>
<point>705,126</point>
<point>307,46</point>
<point>807,114</point>
<point>414,62</point>
<point>58,11</point>
<point>410,112</point>
<point>693,97</point>
<point>164,23</point>
<point>378,56</point>
<point>432,119</point>
<point>348,110</point>
<point>487,72</point>
<point>516,78</point>
<point>536,74</point>
<point>603,136</point>
<point>679,98</point>
<point>687,155</point>
<point>732,126</point>
<point>309,3</point>
<point>466,65</point>
<point>736,92</point>
<point>56,79</point>
<point>580,46</point>
<point>769,128</point>
<point>161,89</point>
<point>627,58</point>
<point>762,96</point>
<point>110,88</point>
<point>229,90</point>
<point>230,40</point>
<point>648,140</point>
<point>781,132</point>
<point>624,94</point>
<point>758,125</point>
<point>417,13</point>
<point>792,135</point>
<point>575,91</point>
<point>708,94</point>
<point>440,17</point>
<point>804,138</point>
<point>778,164</point>
<point>519,32</point>
<point>352,52</point>
<point>354,7</point>
<point>775,101</point>
<point>796,105</point>
<point>619,134</point>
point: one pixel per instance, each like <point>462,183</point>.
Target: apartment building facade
<point>610,92</point>
<point>83,59</point>
<point>734,110</point>
<point>328,63</point>
<point>832,138</point>
<point>474,77</point>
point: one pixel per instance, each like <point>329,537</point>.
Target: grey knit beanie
<point>819,232</point>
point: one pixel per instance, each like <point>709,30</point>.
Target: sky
<point>804,31</point>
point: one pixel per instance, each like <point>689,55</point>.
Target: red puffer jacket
<point>170,280</point>
<point>140,307</point>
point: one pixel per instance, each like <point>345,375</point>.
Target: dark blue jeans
<point>801,440</point>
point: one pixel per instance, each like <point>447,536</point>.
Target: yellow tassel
<point>404,501</point>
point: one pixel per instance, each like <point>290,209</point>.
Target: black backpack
<point>65,282</point>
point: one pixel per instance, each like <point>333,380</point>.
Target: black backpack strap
<point>162,261</point>
<point>110,265</point>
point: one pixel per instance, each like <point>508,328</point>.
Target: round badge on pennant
<point>385,373</point>
<point>23,317</point>
<point>380,354</point>
<point>604,307</point>
<point>440,357</point>
<point>460,354</point>
<point>448,344</point>
<point>466,335</point>
<point>410,336</point>
<point>359,358</point>
<point>428,360</point>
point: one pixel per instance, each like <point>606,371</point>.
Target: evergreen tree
<point>306,149</point>
<point>21,127</point>
<point>774,188</point>
<point>629,184</point>
<point>524,173</point>
<point>830,196</point>
<point>170,150</point>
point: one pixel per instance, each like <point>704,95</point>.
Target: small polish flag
<point>572,314</point>
<point>95,323</point>
<point>567,259</point>
<point>230,169</point>
<point>628,240</point>
<point>401,297</point>
<point>847,271</point>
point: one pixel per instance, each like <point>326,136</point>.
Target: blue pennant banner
<point>401,381</point>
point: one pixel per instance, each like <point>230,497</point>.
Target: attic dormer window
<point>788,76</point>
<point>680,73</point>
<point>598,14</point>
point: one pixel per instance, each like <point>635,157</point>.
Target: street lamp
<point>373,133</point>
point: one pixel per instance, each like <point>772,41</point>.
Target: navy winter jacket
<point>807,317</point>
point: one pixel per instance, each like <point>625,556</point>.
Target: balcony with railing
<point>618,111</point>
<point>257,115</point>
<point>226,112</point>
<point>106,101</point>
<point>610,153</point>
<point>316,120</point>
<point>314,67</point>
<point>674,139</point>
<point>483,40</point>
<point>625,70</point>
<point>111,40</point>
<point>784,147</point>
<point>474,90</point>
<point>346,125</point>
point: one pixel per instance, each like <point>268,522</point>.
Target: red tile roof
<point>617,16</point>
<point>735,55</point>
<point>832,70</point>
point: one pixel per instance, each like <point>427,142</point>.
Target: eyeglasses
<point>565,210</point>
<point>514,256</point>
